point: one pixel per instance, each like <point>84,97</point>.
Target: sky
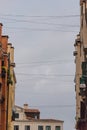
<point>43,34</point>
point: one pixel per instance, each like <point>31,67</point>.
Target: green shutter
<point>82,80</point>
<point>84,68</point>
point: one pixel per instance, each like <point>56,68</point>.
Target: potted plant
<point>9,78</point>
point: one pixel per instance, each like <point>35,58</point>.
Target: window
<point>84,68</point>
<point>40,127</point>
<point>16,127</point>
<point>35,117</point>
<point>48,127</point>
<point>16,115</point>
<point>57,128</point>
<point>27,127</point>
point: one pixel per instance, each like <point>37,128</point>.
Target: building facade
<point>11,85</point>
<point>7,82</point>
<point>32,121</point>
<point>80,54</point>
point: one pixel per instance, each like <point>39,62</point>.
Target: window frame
<point>17,115</point>
<point>57,127</point>
<point>48,127</point>
<point>27,127</point>
<point>40,126</point>
<point>16,127</point>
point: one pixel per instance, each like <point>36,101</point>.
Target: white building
<point>29,119</point>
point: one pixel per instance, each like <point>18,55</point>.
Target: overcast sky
<point>43,33</point>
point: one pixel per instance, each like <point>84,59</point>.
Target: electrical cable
<point>57,16</point>
<point>44,74</point>
<point>52,106</point>
<point>39,29</point>
<point>47,23</point>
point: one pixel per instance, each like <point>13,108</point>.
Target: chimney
<point>81,1</point>
<point>25,106</point>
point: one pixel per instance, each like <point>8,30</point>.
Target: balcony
<point>75,53</point>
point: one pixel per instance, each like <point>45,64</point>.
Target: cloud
<point>44,59</point>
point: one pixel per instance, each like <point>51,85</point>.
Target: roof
<point>18,107</point>
<point>32,110</point>
<point>28,110</point>
<point>50,120</point>
<point>42,120</point>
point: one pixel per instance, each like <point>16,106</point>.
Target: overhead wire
<point>50,106</point>
<point>54,16</point>
<point>36,22</point>
<point>43,63</point>
<point>44,74</point>
<point>67,80</point>
<point>39,29</point>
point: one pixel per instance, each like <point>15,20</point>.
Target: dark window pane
<point>84,68</point>
<point>40,127</point>
<point>16,115</point>
<point>16,127</point>
<point>27,127</point>
<point>48,127</point>
<point>57,128</point>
